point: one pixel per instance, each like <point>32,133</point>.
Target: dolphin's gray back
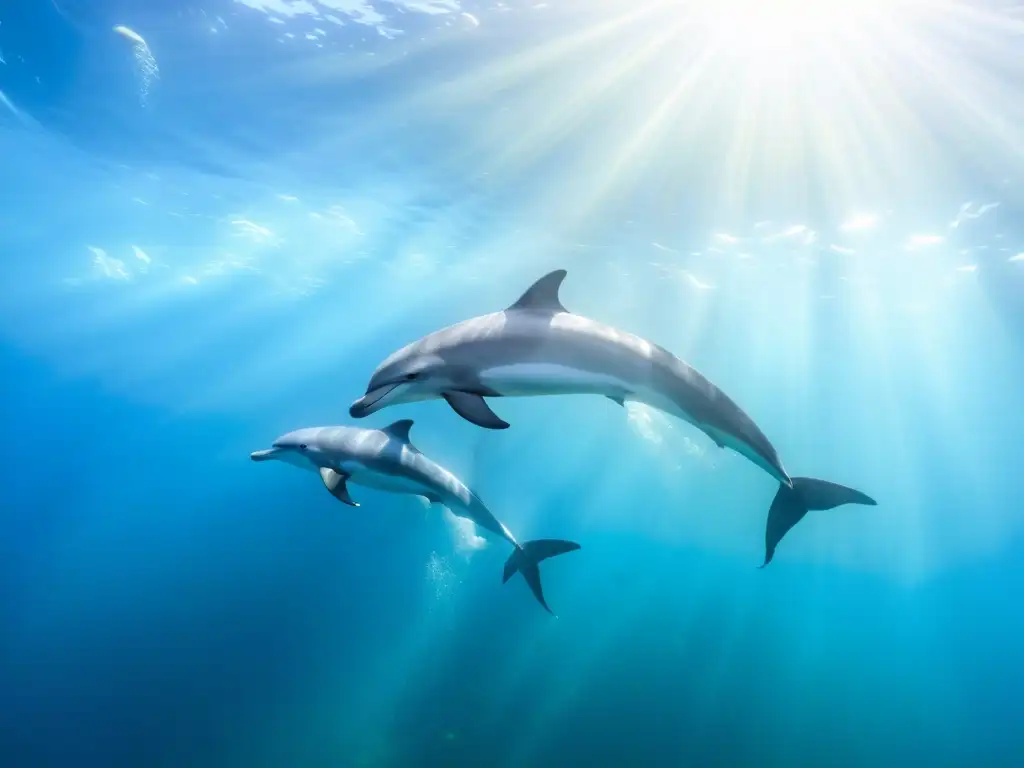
<point>384,454</point>
<point>612,358</point>
<point>511,338</point>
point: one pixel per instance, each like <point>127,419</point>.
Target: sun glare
<point>775,33</point>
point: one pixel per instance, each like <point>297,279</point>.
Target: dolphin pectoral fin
<point>787,510</point>
<point>474,408</point>
<point>714,434</point>
<point>527,559</point>
<point>821,494</point>
<point>543,295</point>
<point>616,399</point>
<point>337,484</point>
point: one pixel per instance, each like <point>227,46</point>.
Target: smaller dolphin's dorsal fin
<point>543,294</point>
<point>399,430</point>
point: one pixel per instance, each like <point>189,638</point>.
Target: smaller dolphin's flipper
<point>474,408</point>
<point>527,560</point>
<point>616,399</point>
<point>336,483</point>
<point>542,296</point>
<point>791,504</point>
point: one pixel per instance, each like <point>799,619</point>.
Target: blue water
<point>212,232</point>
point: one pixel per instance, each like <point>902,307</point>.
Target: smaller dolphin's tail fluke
<point>791,504</point>
<point>526,560</point>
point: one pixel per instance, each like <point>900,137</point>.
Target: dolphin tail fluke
<point>821,494</point>
<point>526,560</point>
<point>791,504</point>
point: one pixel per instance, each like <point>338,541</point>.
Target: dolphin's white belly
<point>527,379</point>
<point>381,481</point>
<point>660,402</point>
<point>533,379</point>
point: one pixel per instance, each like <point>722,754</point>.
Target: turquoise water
<point>218,219</point>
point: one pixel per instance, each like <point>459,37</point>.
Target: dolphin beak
<point>372,401</point>
<point>266,455</point>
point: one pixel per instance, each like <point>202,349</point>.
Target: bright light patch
<point>107,266</point>
<point>145,62</point>
<point>923,241</point>
<point>859,223</point>
<point>131,34</point>
<point>697,283</point>
<point>464,535</point>
<point>252,229</point>
<point>431,7</point>
<point>777,34</point>
<point>281,7</point>
<point>967,211</point>
<point>799,233</point>
<point>363,12</point>
<point>645,421</point>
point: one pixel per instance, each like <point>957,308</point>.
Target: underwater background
<point>217,218</point>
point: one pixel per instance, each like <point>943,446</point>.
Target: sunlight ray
<point>515,70</point>
<point>627,163</point>
<point>510,148</point>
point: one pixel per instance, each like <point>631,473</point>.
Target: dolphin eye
<point>411,376</point>
<point>303,446</point>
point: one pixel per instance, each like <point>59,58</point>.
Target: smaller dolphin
<point>791,504</point>
<point>385,459</point>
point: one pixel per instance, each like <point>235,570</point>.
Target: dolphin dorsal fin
<point>399,430</point>
<point>543,294</point>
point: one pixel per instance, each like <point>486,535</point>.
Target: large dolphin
<point>537,347</point>
<point>791,504</point>
<point>385,459</point>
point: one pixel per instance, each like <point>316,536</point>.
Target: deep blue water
<point>212,237</point>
